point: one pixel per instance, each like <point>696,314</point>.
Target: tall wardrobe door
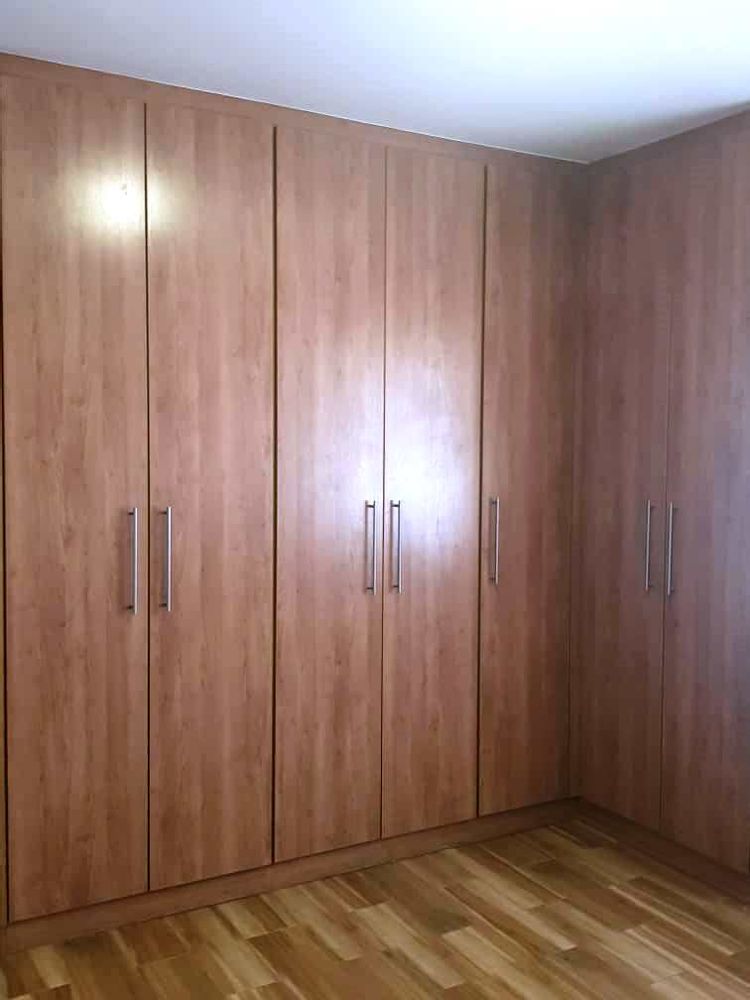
<point>435,226</point>
<point>74,329</point>
<point>533,246</point>
<point>210,232</point>
<point>706,798</point>
<point>331,224</point>
<point>617,652</point>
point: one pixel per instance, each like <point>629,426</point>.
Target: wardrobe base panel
<point>146,906</point>
<point>160,903</point>
<point>668,852</point>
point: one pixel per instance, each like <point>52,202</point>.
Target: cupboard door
<point>211,377</point>
<point>530,329</point>
<point>434,261</point>
<point>331,222</point>
<point>74,328</point>
<point>706,796</point>
<point>618,645</point>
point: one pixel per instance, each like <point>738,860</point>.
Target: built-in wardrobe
<point>363,493</point>
<point>661,638</point>
<point>288,472</point>
<point>139,494</point>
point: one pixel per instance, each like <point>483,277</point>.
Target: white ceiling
<point>579,79</point>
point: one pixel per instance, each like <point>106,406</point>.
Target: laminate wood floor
<point>559,912</point>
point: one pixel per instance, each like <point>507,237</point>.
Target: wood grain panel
<point>74,325</point>
<point>706,799</point>
<point>211,377</point>
<point>331,227</point>
<point>531,321</point>
<point>435,209</point>
<point>618,641</point>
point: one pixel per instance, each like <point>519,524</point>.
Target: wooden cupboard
<point>330,260</point>
<point>618,640</point>
<point>76,522</point>
<point>328,350</point>
<point>664,686</point>
<point>211,396</point>
<point>434,277</point>
<point>706,764</point>
<point>534,244</point>
<point>82,399</point>
<point>175,230</point>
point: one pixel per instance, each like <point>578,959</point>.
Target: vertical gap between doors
<point>385,580</point>
<point>383,576</point>
<point>480,533</point>
<point>147,519</point>
<point>275,379</point>
<point>6,816</point>
<point>668,394</point>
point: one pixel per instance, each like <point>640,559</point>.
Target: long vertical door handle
<point>167,600</point>
<point>396,549</point>
<point>647,554</point>
<point>495,567</point>
<point>670,550</point>
<point>372,585</point>
<point>133,514</point>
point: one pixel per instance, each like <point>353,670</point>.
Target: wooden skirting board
<point>683,859</point>
<point>145,906</point>
<point>103,916</point>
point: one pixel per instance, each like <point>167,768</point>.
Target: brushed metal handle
<point>372,586</point>
<point>133,514</point>
<point>495,567</point>
<point>647,556</point>
<point>396,549</point>
<point>670,550</point>
<point>167,601</point>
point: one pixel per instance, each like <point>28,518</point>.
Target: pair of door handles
<point>396,567</point>
<point>166,601</point>
<point>396,570</point>
<point>671,511</point>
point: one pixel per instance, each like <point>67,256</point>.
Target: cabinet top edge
<point>152,92</point>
